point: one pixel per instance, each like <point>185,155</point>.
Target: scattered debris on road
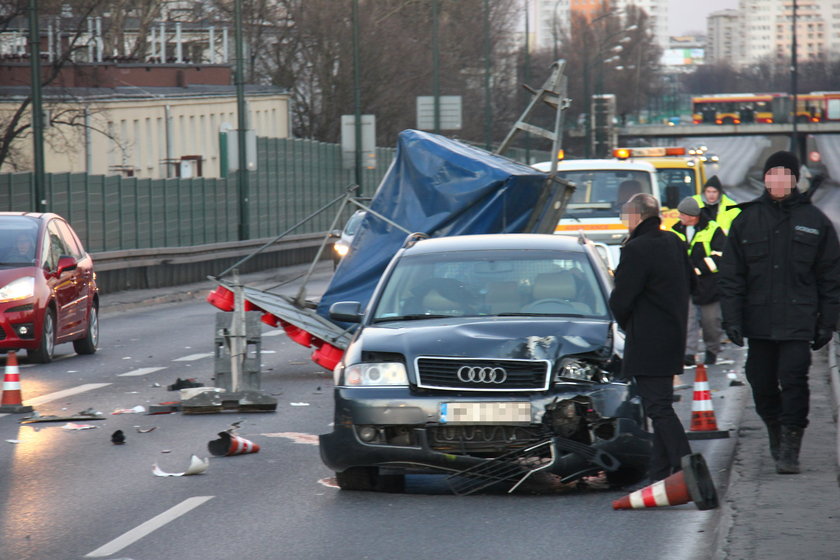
<point>197,466</point>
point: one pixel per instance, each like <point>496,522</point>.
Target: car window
<point>69,240</point>
<point>56,246</point>
<point>18,240</point>
<point>492,283</point>
<point>354,222</point>
<point>682,180</point>
<point>601,192</point>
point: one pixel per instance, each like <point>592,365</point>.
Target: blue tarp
<point>439,187</point>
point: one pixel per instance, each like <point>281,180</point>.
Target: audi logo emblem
<point>477,374</point>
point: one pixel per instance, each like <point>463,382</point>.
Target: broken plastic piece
<point>145,429</point>
<point>73,426</point>
<point>197,466</point>
<point>299,404</point>
<point>136,410</point>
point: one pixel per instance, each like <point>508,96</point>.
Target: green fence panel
<point>294,178</point>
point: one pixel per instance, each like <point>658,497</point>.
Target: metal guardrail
<point>133,269</point>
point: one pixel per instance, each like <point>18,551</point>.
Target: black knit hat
<point>713,182</point>
<point>783,159</point>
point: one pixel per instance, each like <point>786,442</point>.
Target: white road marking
<point>193,357</point>
<point>144,529</point>
<point>141,371</point>
<point>49,397</point>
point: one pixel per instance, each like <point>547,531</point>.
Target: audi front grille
<point>462,374</point>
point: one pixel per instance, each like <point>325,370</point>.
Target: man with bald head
<point>653,281</point>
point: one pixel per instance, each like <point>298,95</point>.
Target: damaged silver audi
<point>487,358</point>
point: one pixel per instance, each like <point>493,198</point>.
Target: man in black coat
<point>780,284</point>
<point>650,302</point>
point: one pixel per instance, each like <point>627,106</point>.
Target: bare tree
<point>15,126</point>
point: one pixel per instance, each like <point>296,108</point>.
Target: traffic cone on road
<point>703,422</point>
<point>229,444</point>
<point>12,400</point>
<point>692,484</point>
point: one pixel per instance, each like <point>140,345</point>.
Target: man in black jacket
<point>780,284</point>
<point>650,302</point>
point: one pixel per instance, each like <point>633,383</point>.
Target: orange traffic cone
<point>692,484</point>
<point>229,444</point>
<point>12,399</point>
<point>703,423</point>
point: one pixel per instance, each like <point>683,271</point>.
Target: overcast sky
<point>686,16</point>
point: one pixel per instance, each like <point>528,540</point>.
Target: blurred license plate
<point>485,412</point>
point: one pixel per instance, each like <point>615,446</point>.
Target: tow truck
<point>602,187</point>
<point>679,174</point>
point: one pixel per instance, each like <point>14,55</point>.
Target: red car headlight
<point>21,288</point>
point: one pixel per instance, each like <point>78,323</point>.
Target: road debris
<point>184,384</point>
<point>88,414</point>
<point>197,466</point>
<point>12,441</point>
<point>299,404</point>
<point>118,437</point>
<point>229,444</point>
<point>136,410</point>
<point>145,429</point>
<point>74,426</point>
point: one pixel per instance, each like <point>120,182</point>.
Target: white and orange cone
<point>692,484</point>
<point>703,422</point>
<point>229,444</point>
<point>12,398</point>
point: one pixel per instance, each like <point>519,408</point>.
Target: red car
<point>48,292</point>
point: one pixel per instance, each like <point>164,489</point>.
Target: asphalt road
<point>73,494</point>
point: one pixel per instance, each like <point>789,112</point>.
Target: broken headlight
<point>376,374</point>
<point>576,369</point>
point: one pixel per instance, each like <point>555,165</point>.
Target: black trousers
<point>670,444</point>
<point>778,374</point>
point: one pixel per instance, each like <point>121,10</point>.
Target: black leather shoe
<point>711,359</point>
<point>689,360</point>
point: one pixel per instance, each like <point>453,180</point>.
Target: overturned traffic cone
<point>692,484</point>
<point>703,423</point>
<point>12,399</point>
<point>229,444</point>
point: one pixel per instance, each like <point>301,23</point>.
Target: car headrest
<point>554,285</point>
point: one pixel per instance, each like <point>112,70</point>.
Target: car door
<point>83,274</point>
<point>64,286</point>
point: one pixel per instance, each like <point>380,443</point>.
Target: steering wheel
<point>548,305</point>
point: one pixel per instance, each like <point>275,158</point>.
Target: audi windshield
<point>488,283</point>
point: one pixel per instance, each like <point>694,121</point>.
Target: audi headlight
<point>21,288</point>
<point>572,369</point>
<point>375,375</point>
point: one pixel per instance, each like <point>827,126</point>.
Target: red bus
<point>746,108</point>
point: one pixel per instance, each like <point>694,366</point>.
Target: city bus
<point>748,108</point>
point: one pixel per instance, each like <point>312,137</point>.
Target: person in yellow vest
<point>704,239</point>
<point>716,205</point>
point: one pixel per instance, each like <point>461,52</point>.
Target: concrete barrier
<point>834,374</point>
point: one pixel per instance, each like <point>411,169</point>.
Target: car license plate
<point>485,413</point>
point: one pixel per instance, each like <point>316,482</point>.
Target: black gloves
<point>822,338</point>
<point>734,334</point>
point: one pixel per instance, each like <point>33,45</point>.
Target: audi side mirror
<point>346,311</point>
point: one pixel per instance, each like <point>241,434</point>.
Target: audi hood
<point>537,338</point>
